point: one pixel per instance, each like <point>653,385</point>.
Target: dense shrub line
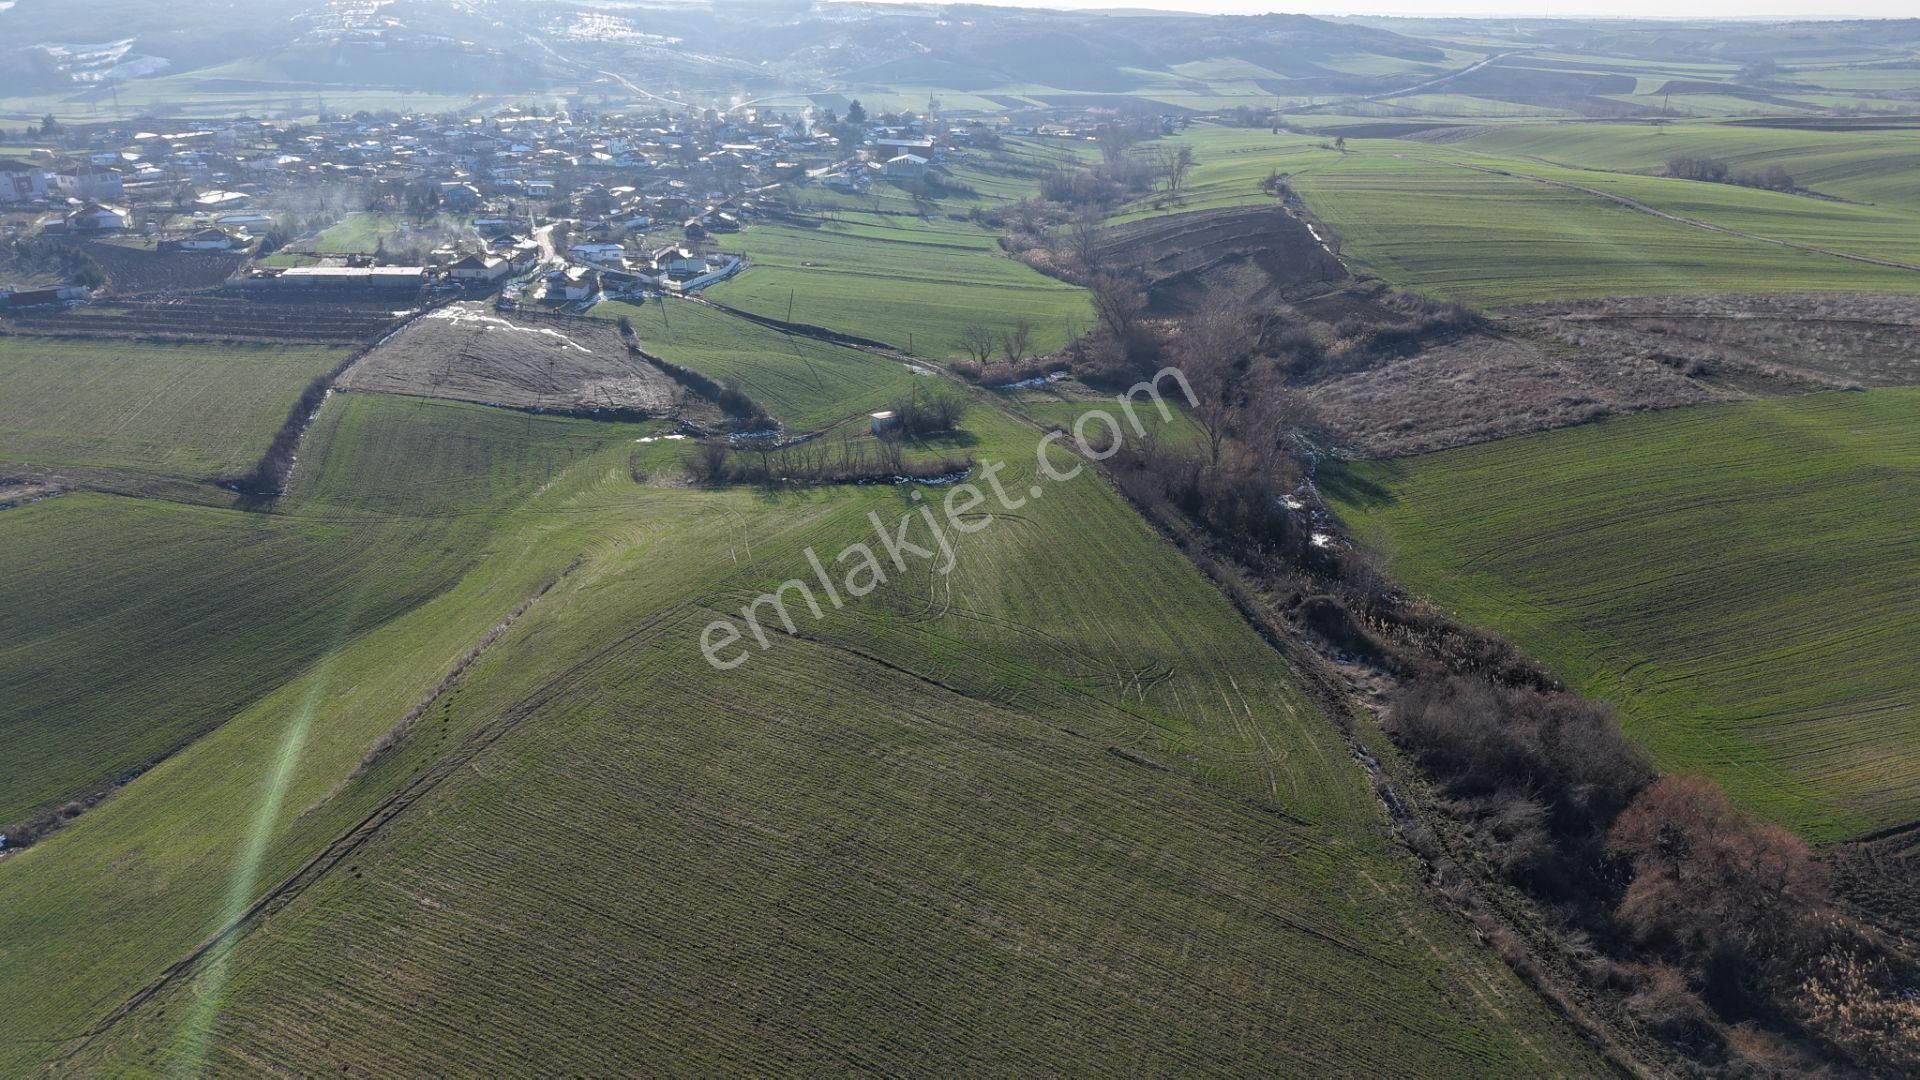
<point>727,397</point>
<point>924,413</point>
<point>1713,932</point>
<point>850,461</point>
<point>268,476</point>
<point>1717,171</point>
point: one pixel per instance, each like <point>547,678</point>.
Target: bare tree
<point>1118,303</point>
<point>1016,339</point>
<point>1212,350</point>
<point>1115,140</point>
<point>977,340</point>
<point>1083,239</point>
<point>1712,885</point>
<point>1174,164</point>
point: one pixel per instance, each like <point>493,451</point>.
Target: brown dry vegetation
<point>1393,373</point>
<point>1676,916</point>
<point>18,491</point>
<point>1257,252</point>
<point>1799,340</point>
<point>1879,878</point>
<point>1553,365</point>
<point>468,352</point>
<point>1486,387</point>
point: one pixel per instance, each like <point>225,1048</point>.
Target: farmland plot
<point>220,317</point>
<point>1059,809</point>
<point>185,411</point>
<point>900,279</point>
<point>412,506</point>
<point>1488,230</point>
<point>1863,166</point>
<point>803,382</point>
<point>1742,581</point>
<point>132,626</point>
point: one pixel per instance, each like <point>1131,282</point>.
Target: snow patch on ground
<point>476,317</point>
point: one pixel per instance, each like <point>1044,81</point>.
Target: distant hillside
<point>447,45</point>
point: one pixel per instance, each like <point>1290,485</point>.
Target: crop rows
<point>899,279</point>
<point>1061,807</point>
<point>218,318</point>
<point>181,410</point>
<point>1512,229</point>
<point>1742,581</point>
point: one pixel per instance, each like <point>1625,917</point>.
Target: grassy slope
<point>181,411</point>
<point>1865,166</point>
<point>1409,213</point>
<point>890,275</point>
<point>128,626</point>
<point>803,382</point>
<point>179,838</point>
<point>904,837</point>
<point>1744,581</point>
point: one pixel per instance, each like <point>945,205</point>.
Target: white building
<point>209,240</point>
<point>906,167</point>
<point>594,252</point>
<point>21,182</point>
<point>480,268</point>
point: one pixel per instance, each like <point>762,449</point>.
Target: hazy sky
<point>1738,9</point>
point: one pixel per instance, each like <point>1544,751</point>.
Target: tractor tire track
<point>388,810</point>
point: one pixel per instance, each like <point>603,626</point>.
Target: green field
<point>1877,167</point>
<point>1443,219</point>
<point>189,411</point>
<point>364,232</point>
<point>130,626</point>
<point>1060,808</point>
<point>805,383</point>
<point>1742,581</point>
<point>897,278</point>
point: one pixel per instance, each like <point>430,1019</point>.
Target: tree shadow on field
<point>958,438</point>
<point>1340,483</point>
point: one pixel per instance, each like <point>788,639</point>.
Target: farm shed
<point>207,240</point>
<point>479,267</point>
<point>392,279</point>
<point>907,166</point>
<point>97,218</point>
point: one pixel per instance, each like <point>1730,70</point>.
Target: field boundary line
<point>369,826</point>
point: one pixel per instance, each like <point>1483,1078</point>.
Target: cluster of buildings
<point>643,197</point>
